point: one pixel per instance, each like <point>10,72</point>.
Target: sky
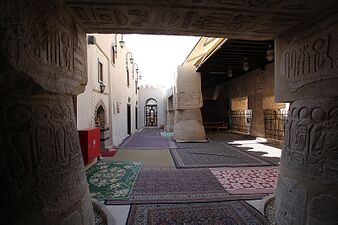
<point>157,56</point>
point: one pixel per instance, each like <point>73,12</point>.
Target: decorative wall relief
<point>40,159</point>
<point>306,62</point>
<point>311,147</point>
<point>310,61</point>
<point>49,48</point>
<point>218,17</point>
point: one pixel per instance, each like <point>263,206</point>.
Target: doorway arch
<point>100,117</point>
<point>150,113</point>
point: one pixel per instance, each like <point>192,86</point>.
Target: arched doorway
<point>150,113</point>
<point>100,122</point>
<point>100,117</point>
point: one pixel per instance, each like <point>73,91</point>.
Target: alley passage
<point>188,183</point>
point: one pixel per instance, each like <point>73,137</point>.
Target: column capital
<point>40,42</point>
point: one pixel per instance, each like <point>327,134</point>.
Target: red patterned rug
<point>215,213</point>
<point>159,185</point>
<point>247,180</point>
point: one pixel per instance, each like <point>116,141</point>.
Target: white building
<point>152,106</point>
<point>115,108</point>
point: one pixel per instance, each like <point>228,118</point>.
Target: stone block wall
<point>258,87</point>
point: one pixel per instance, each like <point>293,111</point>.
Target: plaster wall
<point>115,96</point>
<point>157,93</point>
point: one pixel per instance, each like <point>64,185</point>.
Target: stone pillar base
<point>189,131</point>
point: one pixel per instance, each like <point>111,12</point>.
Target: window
<point>100,70</point>
<point>113,54</point>
<point>128,83</point>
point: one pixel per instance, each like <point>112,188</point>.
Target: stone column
<point>43,65</point>
<point>188,125</point>
<point>307,76</point>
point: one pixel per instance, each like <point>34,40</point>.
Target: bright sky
<point>158,56</point>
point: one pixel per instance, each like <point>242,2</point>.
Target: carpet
<point>149,132</point>
<point>269,211</point>
<point>157,185</point>
<point>216,213</point>
<point>148,142</point>
<point>213,154</point>
<point>247,180</point>
<point>112,180</point>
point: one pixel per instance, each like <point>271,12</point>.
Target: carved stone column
<point>307,76</point>
<point>42,66</point>
<point>188,125</point>
<point>308,176</point>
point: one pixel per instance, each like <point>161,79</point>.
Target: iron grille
<point>240,121</point>
<point>274,122</point>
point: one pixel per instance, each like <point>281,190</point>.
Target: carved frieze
<point>306,62</point>
<point>311,61</point>
<point>311,144</point>
<point>245,19</point>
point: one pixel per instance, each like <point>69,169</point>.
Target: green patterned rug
<point>167,134</point>
<point>112,180</point>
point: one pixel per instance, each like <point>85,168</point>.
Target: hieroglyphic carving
<point>323,210</point>
<point>290,202</point>
<point>47,48</point>
<point>311,61</point>
<point>41,163</point>
<point>236,18</point>
<point>60,52</point>
<point>312,140</point>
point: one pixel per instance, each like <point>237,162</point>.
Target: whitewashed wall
<point>116,92</point>
<point>157,93</point>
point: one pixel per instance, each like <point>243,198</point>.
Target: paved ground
<point>156,158</point>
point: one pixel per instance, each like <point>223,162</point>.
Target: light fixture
<point>131,59</point>
<point>121,42</point>
<point>246,64</point>
<point>229,71</point>
<point>270,54</point>
<point>102,87</point>
<point>135,65</point>
<point>139,75</point>
<point>129,99</point>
